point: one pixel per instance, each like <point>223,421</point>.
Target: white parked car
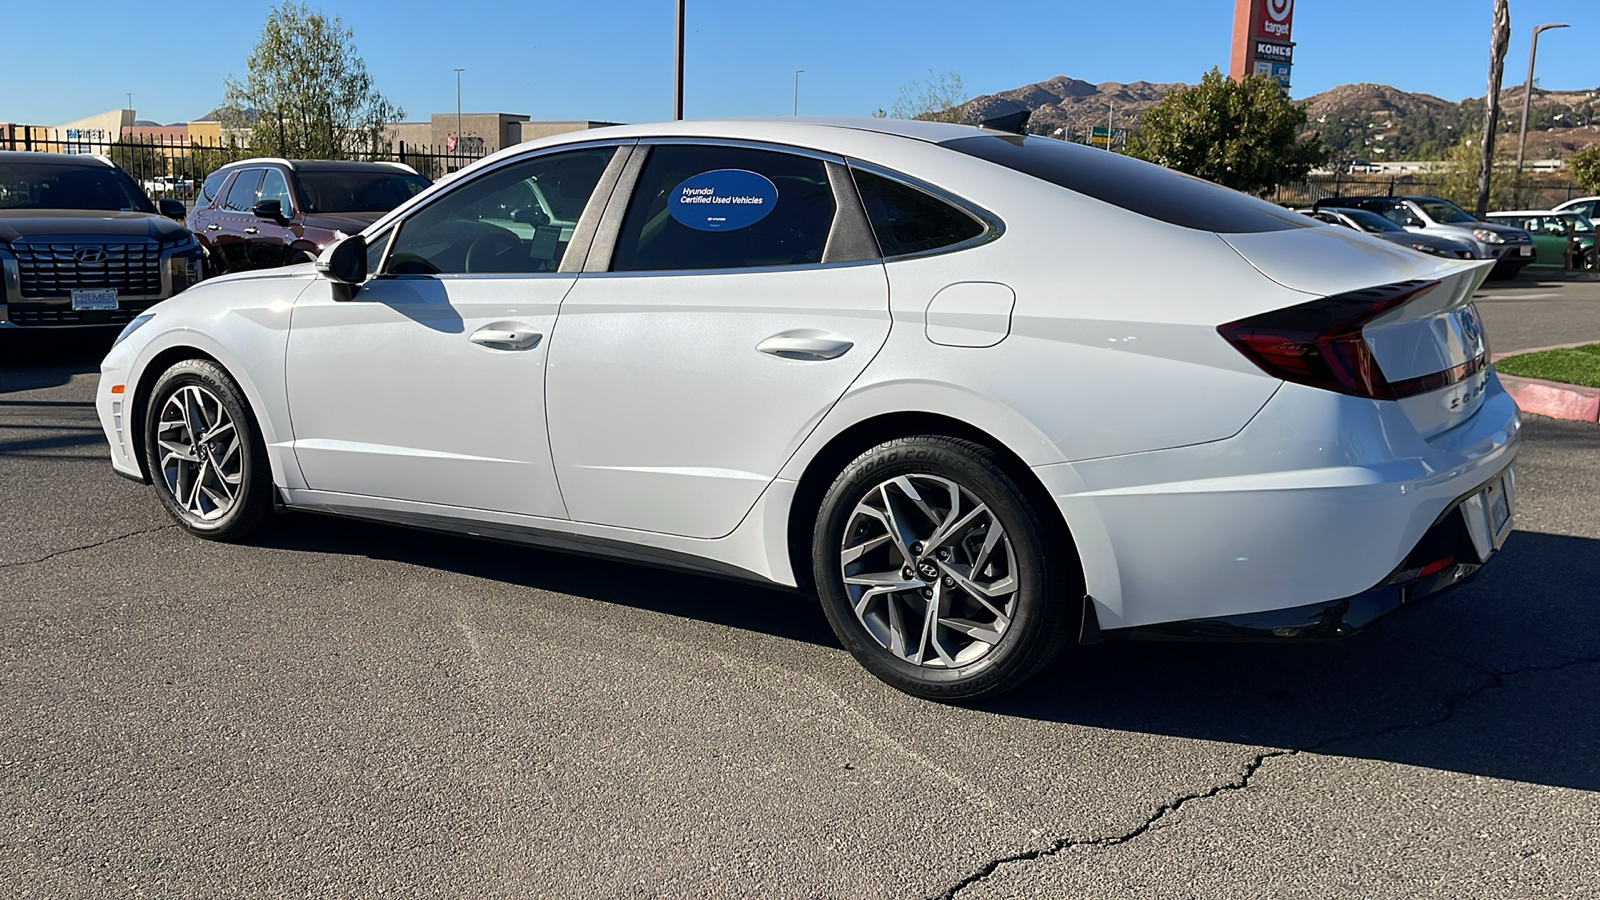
<point>985,395</point>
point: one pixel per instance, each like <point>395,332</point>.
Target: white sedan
<point>986,395</point>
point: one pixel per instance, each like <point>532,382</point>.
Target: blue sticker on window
<point>723,200</point>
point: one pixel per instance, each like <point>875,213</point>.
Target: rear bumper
<point>1320,500</point>
<point>1450,554</point>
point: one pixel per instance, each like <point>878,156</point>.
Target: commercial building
<point>478,134</point>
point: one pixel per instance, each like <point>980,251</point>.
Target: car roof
<point>1534,212</point>
<point>319,165</point>
<point>85,160</point>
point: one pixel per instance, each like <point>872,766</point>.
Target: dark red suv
<point>262,213</point>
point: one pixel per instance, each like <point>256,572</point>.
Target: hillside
<point>1368,120</point>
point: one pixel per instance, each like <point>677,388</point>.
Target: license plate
<point>1501,502</point>
<point>102,299</point>
<point>1525,251</point>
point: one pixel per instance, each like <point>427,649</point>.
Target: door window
<point>516,219</point>
<point>242,195</point>
<point>908,220</point>
<point>274,187</point>
<point>711,207</point>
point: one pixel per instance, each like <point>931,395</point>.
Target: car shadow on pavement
<point>1497,678</point>
<point>1484,680</point>
<point>33,361</point>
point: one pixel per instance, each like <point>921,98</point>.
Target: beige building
<point>480,133</point>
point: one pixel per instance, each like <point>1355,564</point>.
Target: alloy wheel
<point>929,571</point>
<point>202,459</point>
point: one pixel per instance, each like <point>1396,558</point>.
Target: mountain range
<point>1369,120</point>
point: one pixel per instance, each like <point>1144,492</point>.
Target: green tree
<point>1242,134</point>
<point>139,158</point>
<point>308,93</point>
<point>1457,178</point>
<point>936,100</point>
<point>1585,168</point>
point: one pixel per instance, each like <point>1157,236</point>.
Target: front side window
<point>515,219</point>
<point>242,195</point>
<point>274,187</point>
<point>712,207</point>
<point>908,220</point>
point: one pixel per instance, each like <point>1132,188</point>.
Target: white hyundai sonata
<point>984,394</point>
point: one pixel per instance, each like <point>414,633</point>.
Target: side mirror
<point>172,209</point>
<point>268,209</point>
<point>345,264</point>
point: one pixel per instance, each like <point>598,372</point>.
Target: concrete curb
<point>1554,399</point>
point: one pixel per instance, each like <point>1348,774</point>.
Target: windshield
<point>1370,221</point>
<point>1582,225</point>
<point>49,185</point>
<point>1446,213</point>
<point>356,190</point>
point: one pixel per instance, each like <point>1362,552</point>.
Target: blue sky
<point>612,59</point>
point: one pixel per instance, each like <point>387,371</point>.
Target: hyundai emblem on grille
<point>90,255</point>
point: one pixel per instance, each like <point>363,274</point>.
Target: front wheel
<point>937,573</point>
<point>204,454</point>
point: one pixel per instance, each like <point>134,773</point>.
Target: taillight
<point>1320,343</point>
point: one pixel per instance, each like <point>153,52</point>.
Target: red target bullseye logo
<point>1278,20</point>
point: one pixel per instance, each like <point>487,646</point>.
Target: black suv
<point>82,245</point>
<point>263,213</point>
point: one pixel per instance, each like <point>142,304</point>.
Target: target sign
<point>1274,19</point>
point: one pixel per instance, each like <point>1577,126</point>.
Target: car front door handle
<point>252,230</point>
<point>805,344</point>
<point>507,338</point>
<point>213,227</point>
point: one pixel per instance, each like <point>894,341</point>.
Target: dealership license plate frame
<point>1524,251</point>
<point>94,299</point>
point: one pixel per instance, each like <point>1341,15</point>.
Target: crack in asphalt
<point>110,540</point>
<point>1496,678</point>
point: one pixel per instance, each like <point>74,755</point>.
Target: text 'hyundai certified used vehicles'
<point>264,213</point>
<point>82,246</point>
<point>857,357</point>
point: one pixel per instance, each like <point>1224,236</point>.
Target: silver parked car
<point>1511,248</point>
<point>1377,226</point>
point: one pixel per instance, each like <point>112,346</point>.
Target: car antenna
<point>1011,123</point>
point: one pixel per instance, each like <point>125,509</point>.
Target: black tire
<point>1045,605</point>
<point>251,497</point>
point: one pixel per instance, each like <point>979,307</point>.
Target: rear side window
<point>710,207</point>
<point>242,195</point>
<point>274,187</point>
<point>1132,184</point>
<point>213,183</point>
<point>908,220</point>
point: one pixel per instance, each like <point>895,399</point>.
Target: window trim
<point>994,227</point>
<point>578,248</point>
<point>848,206</point>
<point>289,189</point>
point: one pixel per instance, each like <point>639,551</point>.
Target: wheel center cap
<point>928,570</point>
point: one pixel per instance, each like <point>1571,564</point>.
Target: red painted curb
<point>1554,399</point>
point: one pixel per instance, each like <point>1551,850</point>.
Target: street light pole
<point>1527,96</point>
<point>458,108</point>
<point>677,80</point>
<point>797,90</point>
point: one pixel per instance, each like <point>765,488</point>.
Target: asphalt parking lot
<point>355,710</point>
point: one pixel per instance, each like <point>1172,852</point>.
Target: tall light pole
<point>797,90</point>
<point>677,79</point>
<point>1527,96</point>
<point>458,108</point>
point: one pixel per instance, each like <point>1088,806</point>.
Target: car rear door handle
<point>252,230</point>
<point>805,344</point>
<point>507,338</point>
<point>213,227</point>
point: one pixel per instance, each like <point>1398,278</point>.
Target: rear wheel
<point>204,454</point>
<point>937,573</point>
